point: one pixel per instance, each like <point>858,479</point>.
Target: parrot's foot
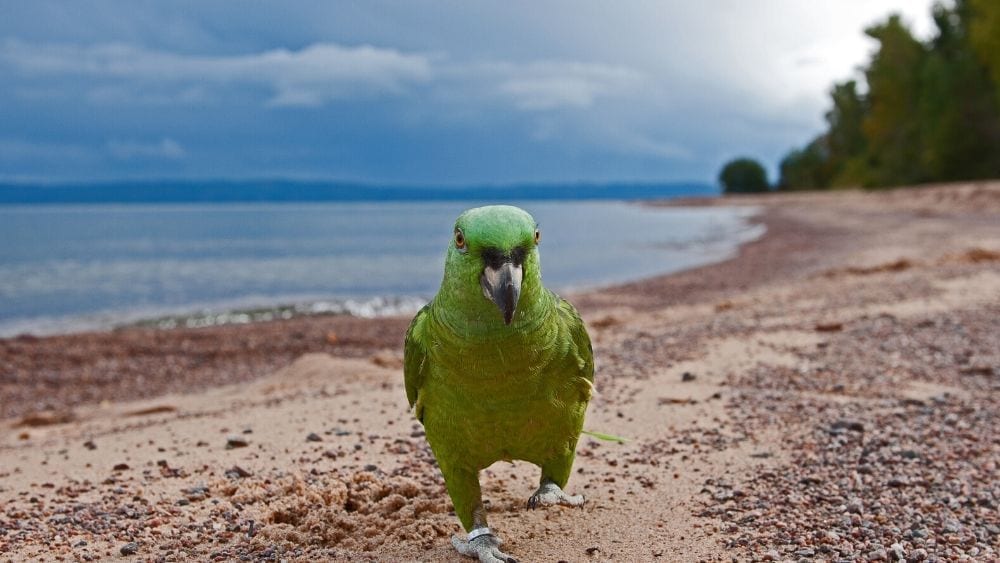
<point>549,494</point>
<point>485,547</point>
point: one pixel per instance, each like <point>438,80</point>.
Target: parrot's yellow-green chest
<point>521,395</point>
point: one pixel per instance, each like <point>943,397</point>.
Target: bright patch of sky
<point>419,91</point>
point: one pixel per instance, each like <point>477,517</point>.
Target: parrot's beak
<point>502,286</point>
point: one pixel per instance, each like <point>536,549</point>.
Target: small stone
<point>131,548</point>
<point>592,550</point>
<point>120,467</point>
<point>897,553</point>
<point>314,437</point>
<point>772,555</point>
<point>198,492</point>
<point>237,472</point>
<point>953,526</point>
<point>918,554</point>
<point>855,506</point>
<point>878,555</point>
<point>688,376</point>
<point>852,425</point>
<point>90,445</point>
<point>897,482</point>
<point>234,442</point>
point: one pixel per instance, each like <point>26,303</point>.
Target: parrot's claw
<point>550,494</point>
<point>486,548</point>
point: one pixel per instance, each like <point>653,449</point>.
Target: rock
<point>120,467</point>
<point>234,442</point>
<point>878,555</point>
<point>897,482</point>
<point>314,437</point>
<point>388,359</point>
<point>237,472</point>
<point>896,552</point>
<point>90,445</point>
<point>844,424</point>
<point>952,526</point>
<point>592,550</point>
<point>688,376</point>
<point>772,555</point>
<point>198,492</point>
<point>131,548</point>
<point>855,506</point>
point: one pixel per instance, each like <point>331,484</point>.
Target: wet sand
<point>830,393</point>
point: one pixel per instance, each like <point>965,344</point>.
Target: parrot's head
<point>492,259</point>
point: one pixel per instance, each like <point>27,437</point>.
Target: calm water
<point>80,267</point>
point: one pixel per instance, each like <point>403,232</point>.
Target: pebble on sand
<point>234,442</point>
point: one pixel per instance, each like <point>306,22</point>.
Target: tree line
<point>930,111</point>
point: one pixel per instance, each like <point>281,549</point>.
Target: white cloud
<point>317,74</point>
<point>547,85</point>
<point>166,149</point>
<point>310,76</point>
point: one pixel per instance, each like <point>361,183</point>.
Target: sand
<point>830,393</point>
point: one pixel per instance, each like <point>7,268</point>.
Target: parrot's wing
<point>415,359</point>
<point>577,330</point>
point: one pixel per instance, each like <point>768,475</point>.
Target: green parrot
<point>498,368</point>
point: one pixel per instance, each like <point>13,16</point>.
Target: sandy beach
<point>831,393</point>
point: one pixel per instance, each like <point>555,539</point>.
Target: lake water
<point>85,267</point>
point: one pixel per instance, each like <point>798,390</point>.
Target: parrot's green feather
<point>485,390</point>
<point>605,437</point>
<point>415,364</point>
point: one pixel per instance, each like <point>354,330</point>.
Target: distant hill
<point>222,191</point>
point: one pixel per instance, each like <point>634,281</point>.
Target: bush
<point>743,175</point>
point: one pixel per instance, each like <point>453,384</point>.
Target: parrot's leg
<point>549,494</point>
<point>486,548</point>
<point>463,487</point>
<point>555,474</point>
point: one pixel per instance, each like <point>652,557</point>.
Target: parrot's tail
<point>605,437</point>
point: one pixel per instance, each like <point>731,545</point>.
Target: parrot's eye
<point>538,236</point>
<point>459,239</point>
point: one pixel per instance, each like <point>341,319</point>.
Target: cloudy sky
<point>417,91</point>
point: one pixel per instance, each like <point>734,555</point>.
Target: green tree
<point>805,169</point>
<point>743,175</point>
<point>845,141</point>
<point>984,35</point>
<point>959,114</point>
<point>890,127</point>
<point>931,111</point>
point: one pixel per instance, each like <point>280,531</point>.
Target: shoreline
<point>362,283</point>
<point>829,392</point>
<point>216,354</point>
